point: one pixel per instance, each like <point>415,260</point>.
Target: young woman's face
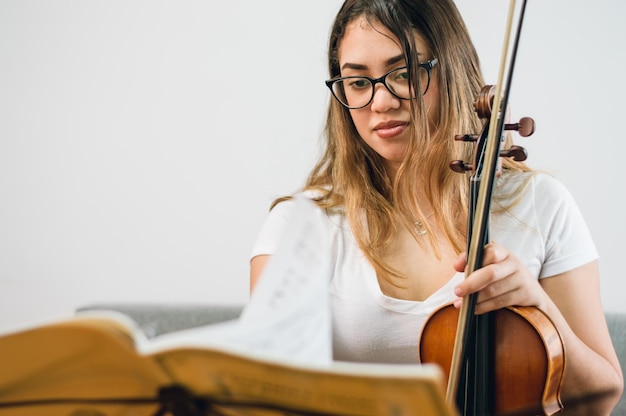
<point>370,49</point>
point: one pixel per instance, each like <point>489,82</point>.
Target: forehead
<point>366,40</point>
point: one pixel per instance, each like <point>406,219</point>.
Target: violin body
<point>529,357</point>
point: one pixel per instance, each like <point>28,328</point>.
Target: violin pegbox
<point>525,127</point>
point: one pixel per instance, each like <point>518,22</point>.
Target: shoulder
<point>286,204</point>
<point>539,201</point>
<point>538,197</point>
<point>319,196</point>
<point>298,207</point>
<point>510,181</point>
<point>283,209</point>
<point>544,183</point>
<point>531,187</point>
<point>538,215</point>
<point>551,196</point>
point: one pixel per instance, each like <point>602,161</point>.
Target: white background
<point>141,142</point>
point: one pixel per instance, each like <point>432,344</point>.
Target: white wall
<point>142,141</point>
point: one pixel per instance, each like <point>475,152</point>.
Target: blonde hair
<point>351,175</point>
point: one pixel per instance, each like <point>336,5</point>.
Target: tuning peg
<point>460,166</point>
<point>525,127</point>
<point>466,137</point>
<point>517,153</point>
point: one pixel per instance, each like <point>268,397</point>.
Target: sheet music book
<point>276,359</point>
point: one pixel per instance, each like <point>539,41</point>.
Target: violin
<point>510,361</point>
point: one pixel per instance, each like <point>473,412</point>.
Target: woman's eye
<point>359,83</point>
<point>402,75</point>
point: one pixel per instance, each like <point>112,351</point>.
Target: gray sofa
<point>159,319</point>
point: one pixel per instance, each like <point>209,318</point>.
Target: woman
<point>404,75</point>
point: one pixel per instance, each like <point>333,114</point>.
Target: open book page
<point>363,389</point>
<point>278,354</point>
<point>288,317</point>
<point>81,359</point>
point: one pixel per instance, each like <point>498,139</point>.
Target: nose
<point>384,100</point>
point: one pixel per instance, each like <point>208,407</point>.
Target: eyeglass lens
<point>355,92</point>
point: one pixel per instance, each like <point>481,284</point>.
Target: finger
<point>493,253</point>
<point>494,256</point>
<point>495,303</point>
<point>460,262</point>
<point>491,280</point>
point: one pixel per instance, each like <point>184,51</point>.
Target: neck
<point>392,170</point>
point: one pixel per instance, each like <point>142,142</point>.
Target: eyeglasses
<point>357,92</point>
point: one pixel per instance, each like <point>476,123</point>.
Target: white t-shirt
<point>545,230</point>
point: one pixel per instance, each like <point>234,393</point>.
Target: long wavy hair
<point>352,177</point>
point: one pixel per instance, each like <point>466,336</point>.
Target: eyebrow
<point>388,62</point>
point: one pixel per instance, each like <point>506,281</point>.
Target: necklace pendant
<point>420,229</point>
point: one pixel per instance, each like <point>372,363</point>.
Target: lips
<point>390,129</point>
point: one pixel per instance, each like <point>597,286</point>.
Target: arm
<point>592,366</point>
<point>268,238</point>
<point>257,264</point>
<point>572,301</point>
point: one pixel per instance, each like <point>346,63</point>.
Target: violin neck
<point>474,394</point>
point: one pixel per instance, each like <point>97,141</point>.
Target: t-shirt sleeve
<point>569,243</point>
<point>272,229</point>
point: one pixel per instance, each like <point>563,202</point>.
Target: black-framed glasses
<point>358,91</point>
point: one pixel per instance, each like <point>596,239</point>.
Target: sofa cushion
<point>157,319</point>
